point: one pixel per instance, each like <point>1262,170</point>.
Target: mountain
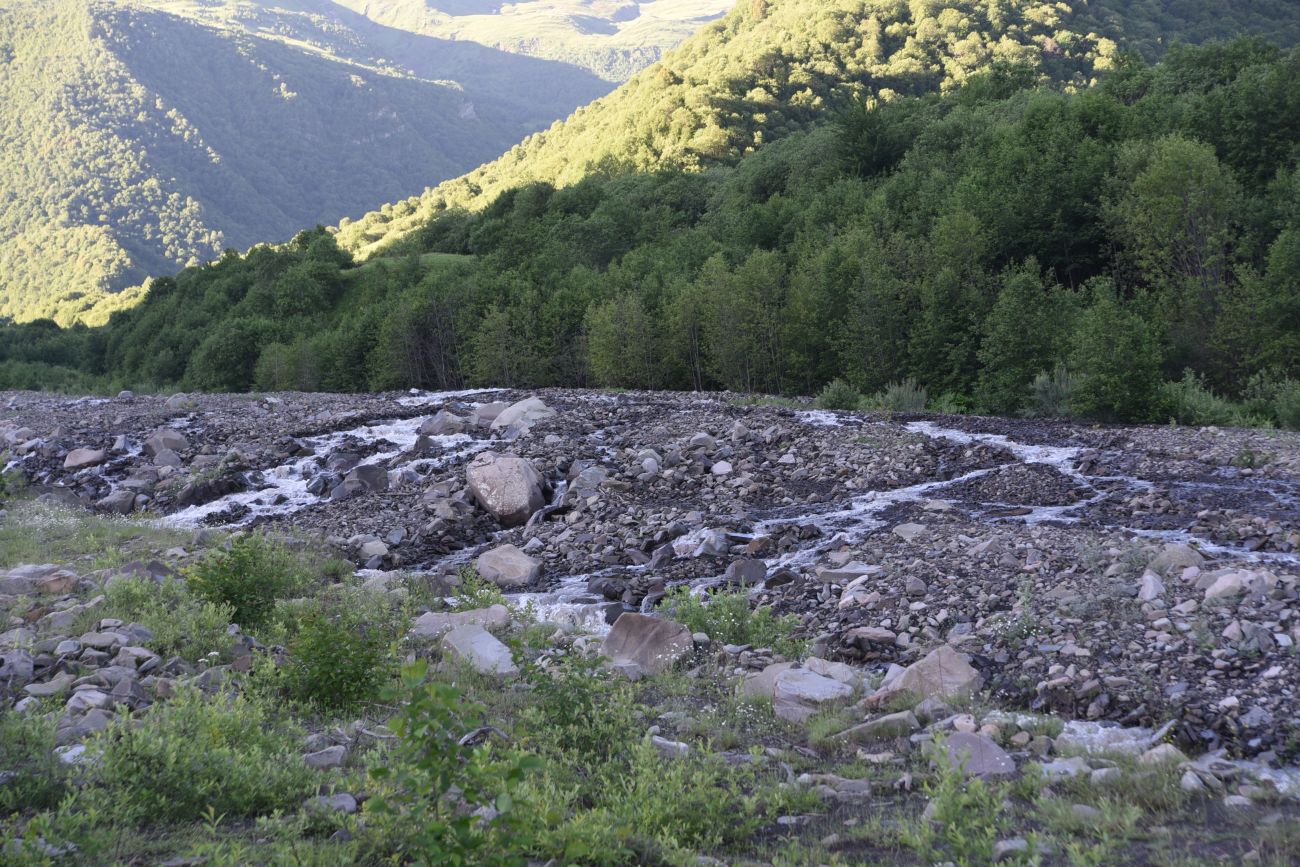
<point>772,67</point>
<point>141,137</point>
<point>612,38</point>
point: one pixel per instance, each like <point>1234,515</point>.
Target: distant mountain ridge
<point>144,135</point>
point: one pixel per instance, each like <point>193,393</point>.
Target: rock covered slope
<point>1142,576</point>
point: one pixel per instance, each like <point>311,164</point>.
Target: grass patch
<point>35,532</point>
<point>727,617</point>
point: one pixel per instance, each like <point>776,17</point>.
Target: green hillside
<point>772,67</point>
<point>138,141</point>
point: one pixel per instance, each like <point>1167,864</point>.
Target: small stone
<point>1085,813</point>
<point>324,760</point>
<point>1006,850</point>
<point>340,803</point>
<point>1163,754</point>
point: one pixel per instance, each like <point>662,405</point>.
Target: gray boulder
<point>798,693</point>
<point>943,673</point>
<point>443,423</point>
<point>978,756</point>
<point>16,669</point>
<point>165,438</point>
<point>119,502</point>
<point>480,649</point>
<point>372,477</point>
<point>80,459</point>
<point>435,624</point>
<point>508,567</point>
<point>647,645</point>
<point>523,415</point>
<point>508,487</point>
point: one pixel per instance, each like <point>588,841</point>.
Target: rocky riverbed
<point>1138,576</point>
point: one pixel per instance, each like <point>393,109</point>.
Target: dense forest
<point>137,141</point>
<point>774,67</point>
<point>1124,251</point>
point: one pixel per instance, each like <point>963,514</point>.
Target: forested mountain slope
<point>136,141</point>
<point>772,67</point>
<point>1121,252</point>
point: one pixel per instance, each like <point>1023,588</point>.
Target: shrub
<point>905,396</point>
<point>1050,394</point>
<point>1286,404</point>
<point>249,578</point>
<point>190,755</point>
<point>181,624</point>
<point>967,816</point>
<point>577,708</point>
<point>32,777</point>
<point>838,394</point>
<point>727,617</point>
<point>434,774</point>
<point>339,656</point>
<point>477,592</point>
<point>1190,402</point>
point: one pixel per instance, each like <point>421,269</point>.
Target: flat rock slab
<point>480,649</point>
<point>799,693</point>
<point>762,684</point>
<point>435,624</point>
<point>651,644</point>
<point>978,756</point>
<point>943,673</point>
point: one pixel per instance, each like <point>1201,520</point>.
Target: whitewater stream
<point>568,602</point>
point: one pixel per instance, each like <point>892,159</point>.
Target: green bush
<point>182,625</point>
<point>340,656</point>
<point>1050,394</point>
<point>32,777</point>
<point>191,755</point>
<point>726,616</point>
<point>477,592</point>
<point>1286,404</point>
<point>578,709</point>
<point>250,577</point>
<point>433,780</point>
<point>1190,402</point>
<point>838,394</point>
<point>905,396</point>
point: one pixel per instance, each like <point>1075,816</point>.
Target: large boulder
<point>16,669</point>
<point>79,459</point>
<point>119,502</point>
<point>165,438</point>
<point>372,477</point>
<point>798,693</point>
<point>1174,558</point>
<point>508,487</point>
<point>485,413</point>
<point>480,649</point>
<point>435,624</point>
<point>508,567</point>
<point>443,424</point>
<point>647,645</point>
<point>943,674</point>
<point>523,415</point>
